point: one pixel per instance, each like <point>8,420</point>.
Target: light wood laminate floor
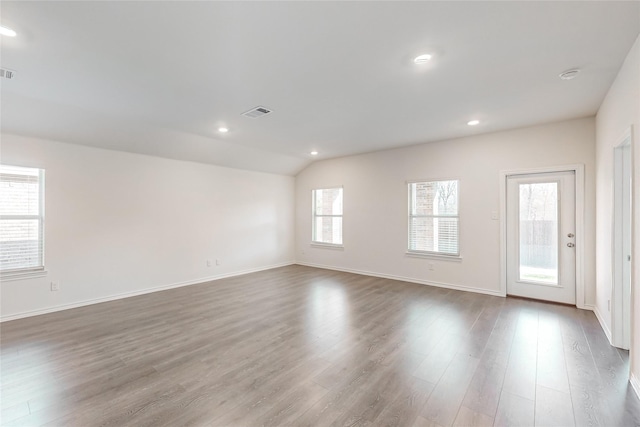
<point>308,347</point>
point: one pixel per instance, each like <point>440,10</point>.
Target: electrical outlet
<point>431,266</point>
<point>55,285</point>
<point>302,252</point>
<point>217,261</point>
<point>208,263</point>
<point>494,215</point>
<point>609,305</point>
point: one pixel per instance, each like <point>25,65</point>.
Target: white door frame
<point>578,169</point>
<point>620,300</point>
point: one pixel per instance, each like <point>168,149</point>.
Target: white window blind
<point>21,219</point>
<point>327,216</point>
<point>433,217</point>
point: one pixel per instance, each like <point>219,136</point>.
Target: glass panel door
<point>540,236</point>
<point>538,232</point>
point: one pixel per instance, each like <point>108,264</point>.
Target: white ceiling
<point>160,77</point>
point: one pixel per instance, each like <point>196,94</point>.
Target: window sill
<point>327,246</point>
<point>22,275</point>
<point>452,258</point>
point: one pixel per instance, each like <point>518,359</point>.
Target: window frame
<point>314,216</point>
<point>432,254</point>
<point>39,270</point>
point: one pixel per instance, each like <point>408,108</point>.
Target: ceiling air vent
<point>568,75</point>
<point>257,112</point>
<point>7,74</point>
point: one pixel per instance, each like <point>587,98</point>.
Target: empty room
<point>319,213</point>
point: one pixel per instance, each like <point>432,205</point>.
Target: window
<point>327,216</point>
<point>21,219</point>
<point>433,217</point>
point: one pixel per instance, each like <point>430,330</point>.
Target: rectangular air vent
<point>7,74</point>
<point>257,112</point>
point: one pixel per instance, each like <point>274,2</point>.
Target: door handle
<point>571,245</point>
<point>570,235</point>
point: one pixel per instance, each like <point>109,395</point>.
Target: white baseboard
<point>603,325</point>
<point>136,293</point>
<point>635,384</point>
<point>407,279</point>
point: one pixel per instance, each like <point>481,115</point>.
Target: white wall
<point>120,224</point>
<point>619,110</point>
<point>375,202</point>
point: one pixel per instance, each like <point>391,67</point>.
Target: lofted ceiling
<point>160,78</point>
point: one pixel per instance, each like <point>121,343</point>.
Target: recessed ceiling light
<point>314,153</point>
<point>223,130</point>
<point>421,59</point>
<point>473,122</point>
<point>570,74</point>
<point>7,31</point>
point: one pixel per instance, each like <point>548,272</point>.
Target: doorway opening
<point>621,244</point>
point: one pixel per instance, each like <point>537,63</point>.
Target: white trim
<point>617,293</point>
<point>531,282</point>
<point>414,181</point>
<point>433,255</point>
<point>603,325</point>
<point>333,246</point>
<point>578,169</point>
<point>580,237</point>
<point>635,384</point>
<point>43,230</point>
<point>406,279</point>
<point>140,292</point>
<point>21,275</point>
